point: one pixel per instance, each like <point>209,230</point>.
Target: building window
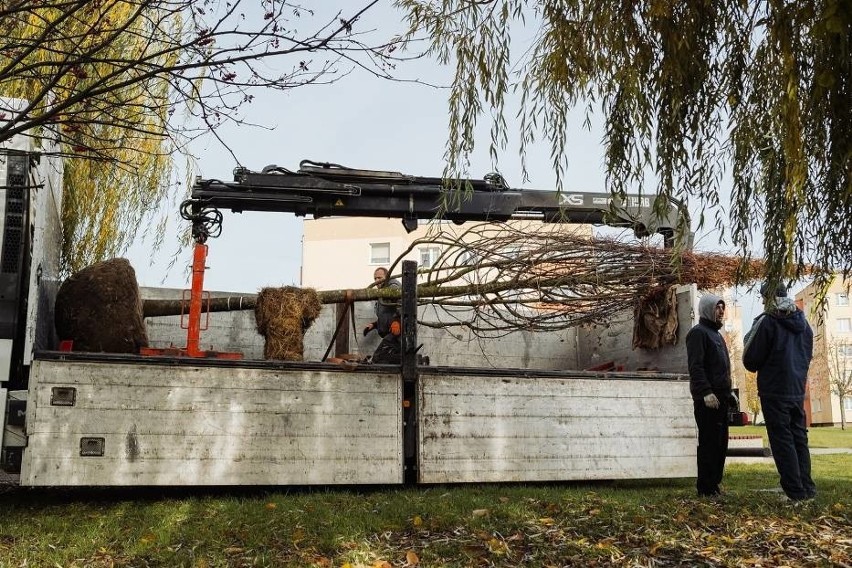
<point>845,350</point>
<point>470,258</point>
<point>847,403</point>
<point>844,325</point>
<point>429,256</point>
<point>816,405</point>
<point>379,253</point>
<point>842,299</point>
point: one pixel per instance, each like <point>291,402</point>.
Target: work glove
<point>710,401</point>
<point>395,328</point>
<point>368,328</point>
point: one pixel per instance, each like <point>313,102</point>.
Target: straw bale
<point>100,309</point>
<point>283,315</point>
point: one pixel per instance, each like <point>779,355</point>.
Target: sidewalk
<point>768,459</point>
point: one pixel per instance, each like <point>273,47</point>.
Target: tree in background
<point>686,90</point>
<point>124,85</point>
<point>739,374</point>
<point>840,373</point>
<point>749,395</point>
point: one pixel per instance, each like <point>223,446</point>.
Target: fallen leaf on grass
<point>655,547</point>
<point>298,535</point>
<point>497,546</point>
<point>480,512</point>
<point>412,558</point>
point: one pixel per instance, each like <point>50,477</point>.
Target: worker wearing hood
<point>710,386</point>
<point>779,348</point>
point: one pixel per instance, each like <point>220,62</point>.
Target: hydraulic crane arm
<point>322,189</point>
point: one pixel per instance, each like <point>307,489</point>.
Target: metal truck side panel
<point>474,429</point>
<point>188,425</point>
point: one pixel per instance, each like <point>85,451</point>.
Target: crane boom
<point>323,189</point>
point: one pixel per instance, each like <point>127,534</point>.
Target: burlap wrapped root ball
<point>283,315</point>
<point>100,309</point>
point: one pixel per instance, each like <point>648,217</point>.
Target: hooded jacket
<point>779,347</point>
<point>707,354</point>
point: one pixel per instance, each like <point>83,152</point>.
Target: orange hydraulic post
<point>193,330</point>
<point>193,324</point>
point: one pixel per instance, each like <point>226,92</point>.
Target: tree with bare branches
<point>124,85</point>
<point>839,359</point>
<point>495,278</point>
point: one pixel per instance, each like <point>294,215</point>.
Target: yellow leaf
<point>298,535</point>
<point>271,506</point>
<point>655,547</point>
<point>480,512</point>
<point>382,564</point>
<point>412,558</point>
<point>547,521</point>
<point>346,565</point>
<point>417,521</point>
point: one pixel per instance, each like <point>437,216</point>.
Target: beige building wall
<point>831,322</point>
<point>339,252</point>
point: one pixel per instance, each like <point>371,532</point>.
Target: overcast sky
<point>362,122</point>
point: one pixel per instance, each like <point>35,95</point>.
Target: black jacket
<point>707,354</point>
<point>709,362</point>
<point>779,348</point>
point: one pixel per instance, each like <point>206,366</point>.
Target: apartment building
<point>832,325</point>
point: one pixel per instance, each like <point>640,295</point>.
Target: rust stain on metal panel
<point>131,445</point>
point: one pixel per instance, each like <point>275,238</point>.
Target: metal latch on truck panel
<point>93,447</point>
<point>63,396</point>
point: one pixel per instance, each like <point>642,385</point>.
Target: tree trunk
<point>157,308</point>
<point>154,308</point>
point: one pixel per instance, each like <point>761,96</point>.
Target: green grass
<point>630,523</point>
<point>819,437</point>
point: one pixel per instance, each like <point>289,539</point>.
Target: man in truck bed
<point>387,322</point>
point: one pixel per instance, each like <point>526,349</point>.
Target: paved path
<point>768,459</point>
<point>831,450</point>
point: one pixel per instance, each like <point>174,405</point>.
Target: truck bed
<point>123,420</point>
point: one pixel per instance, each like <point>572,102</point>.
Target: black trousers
<point>712,446</point>
<point>788,439</point>
<point>389,350</point>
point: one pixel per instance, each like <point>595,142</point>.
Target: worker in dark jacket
<point>779,347</point>
<point>710,386</point>
<point>387,322</point>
